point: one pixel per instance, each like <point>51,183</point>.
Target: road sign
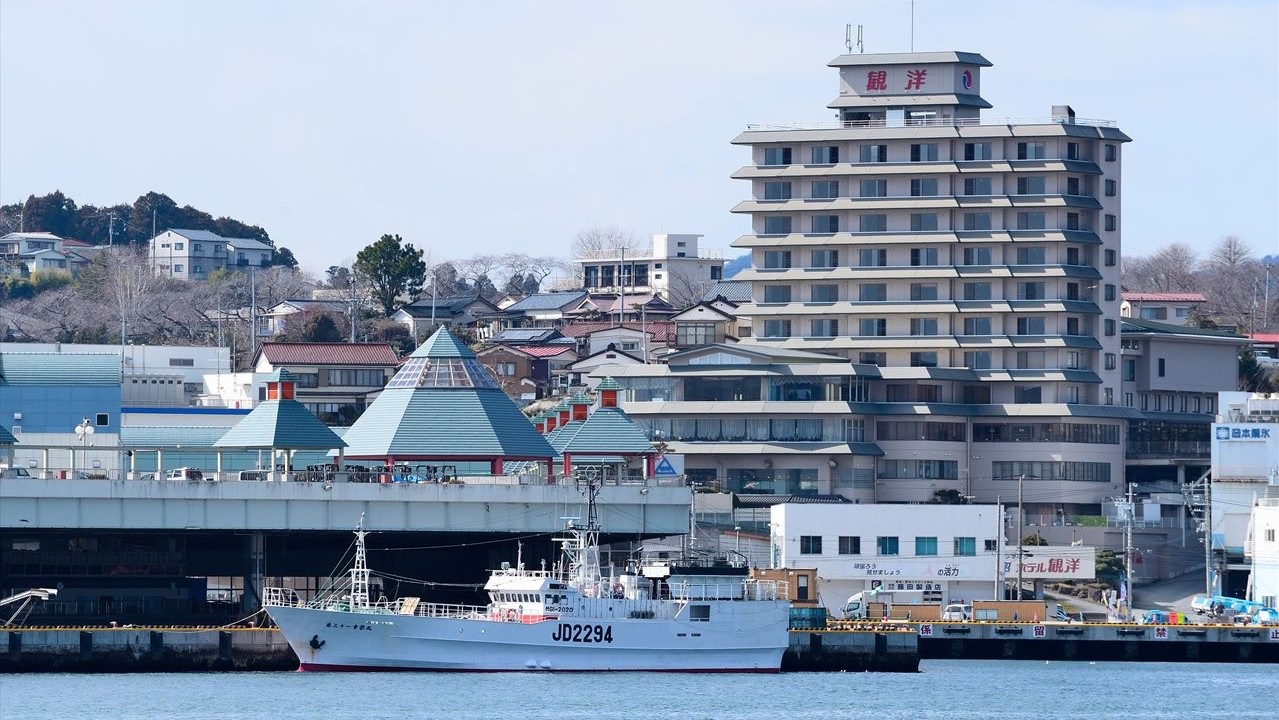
<point>669,465</point>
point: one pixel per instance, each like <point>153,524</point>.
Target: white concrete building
<point>1245,472</point>
<point>673,267</point>
<point>1263,551</point>
<point>194,254</point>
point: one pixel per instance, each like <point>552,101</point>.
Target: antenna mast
<point>848,39</point>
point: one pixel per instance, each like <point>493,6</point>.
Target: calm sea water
<point>954,690</point>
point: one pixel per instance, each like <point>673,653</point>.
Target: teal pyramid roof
<point>281,424</point>
<point>6,437</point>
<point>443,403</point>
<point>607,430</point>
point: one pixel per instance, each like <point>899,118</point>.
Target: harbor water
<point>949,689</point>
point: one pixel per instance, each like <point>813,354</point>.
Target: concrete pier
<point>884,649</point>
<point>105,649</point>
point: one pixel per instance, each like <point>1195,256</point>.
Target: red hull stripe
<point>319,667</point>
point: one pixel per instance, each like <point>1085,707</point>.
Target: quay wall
<point>884,649</point>
<point>126,649</point>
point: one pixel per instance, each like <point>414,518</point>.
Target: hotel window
<point>1162,367</point>
<point>850,545</point>
<point>977,186</point>
<point>777,293</point>
<point>923,359</point>
<point>872,257</point>
<point>977,360</point>
<point>976,326</point>
<point>886,545</point>
<point>1111,258</point>
<point>1072,186</point>
<point>1027,394</point>
<point>1112,152</point>
<point>825,189</point>
<point>923,291</point>
<point>976,255</point>
<point>1031,150</point>
<point>826,155</point>
<point>776,259</point>
<point>1110,293</point>
<point>977,221</point>
<point>873,223</point>
<point>1110,328</point>
<point>777,191</point>
<point>1109,396</point>
<point>923,187</point>
<point>920,257</point>
<point>1031,221</point>
<point>872,327</point>
<point>1112,188</point>
<point>874,153</point>
<point>1030,256</point>
<point>777,225</point>
<point>965,546</point>
<point>872,292</point>
<point>777,156</point>
<point>1030,185</point>
<point>825,259</point>
<point>823,327</point>
<point>1072,360</point>
<point>873,187</point>
<point>1128,399</point>
<point>977,291</point>
<point>777,328</point>
<point>1072,326</point>
<point>1030,326</point>
<point>823,293</point>
<point>873,358</point>
<point>1072,151</point>
<point>1129,371</point>
<point>1030,291</point>
<point>923,326</point>
<point>977,151</point>
<point>1110,361</point>
<point>824,224</point>
<point>923,222</point>
<point>810,544</point>
<point>1111,223</point>
<point>925,546</point>
<point>923,152</point>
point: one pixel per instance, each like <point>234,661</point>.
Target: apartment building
<point>974,261</point>
<point>673,267</point>
<point>194,254</point>
<point>1244,491</point>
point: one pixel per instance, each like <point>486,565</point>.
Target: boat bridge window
<point>701,613</point>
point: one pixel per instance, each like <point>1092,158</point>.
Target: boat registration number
<point>582,633</point>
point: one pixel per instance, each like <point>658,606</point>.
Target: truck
<point>1010,611</point>
<point>888,603</point>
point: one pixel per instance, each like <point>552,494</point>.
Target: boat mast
<point>360,571</point>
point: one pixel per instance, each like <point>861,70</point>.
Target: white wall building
<point>1245,471</point>
<point>673,267</point>
<point>1263,551</point>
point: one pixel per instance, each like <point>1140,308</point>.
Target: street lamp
<point>84,430</point>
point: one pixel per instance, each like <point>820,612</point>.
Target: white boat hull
<point>740,637</point>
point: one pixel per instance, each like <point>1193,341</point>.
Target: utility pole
<point>111,229</point>
<point>999,548</point>
<point>253,316</point>
<point>352,284</point>
<point>1021,479</point>
<point>1208,537</point>
<point>1128,548</point>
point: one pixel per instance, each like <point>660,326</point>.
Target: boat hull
<point>741,637</point>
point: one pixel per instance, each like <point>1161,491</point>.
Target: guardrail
<point>930,122</point>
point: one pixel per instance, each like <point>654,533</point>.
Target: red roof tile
<point>659,330</point>
<point>544,350</point>
<point>329,353</point>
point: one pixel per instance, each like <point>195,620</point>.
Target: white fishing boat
<point>570,618</point>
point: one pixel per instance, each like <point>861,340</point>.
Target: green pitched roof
<point>59,368</point>
<point>443,403</point>
<point>6,437</point>
<point>605,431</point>
<point>280,424</point>
<point>609,383</point>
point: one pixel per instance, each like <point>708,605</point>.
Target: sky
<point>494,127</point>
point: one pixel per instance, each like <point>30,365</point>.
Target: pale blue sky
<point>499,126</point>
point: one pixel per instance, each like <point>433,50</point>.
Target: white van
<point>957,613</point>
<point>14,472</point>
<point>183,473</point>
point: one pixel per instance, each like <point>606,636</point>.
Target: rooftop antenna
<point>912,25</point>
<point>848,38</point>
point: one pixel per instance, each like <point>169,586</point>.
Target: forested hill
<point>59,214</point>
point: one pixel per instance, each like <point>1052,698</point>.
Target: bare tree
<point>683,292</point>
<point>539,266</point>
<point>1233,283</point>
<point>1171,269</point>
<point>600,241</point>
<point>123,278</point>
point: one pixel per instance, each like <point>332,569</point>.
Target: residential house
<point>633,337</point>
<point>548,309</point>
<point>462,314</point>
<point>581,372</point>
<point>42,252</point>
<point>275,318</point>
<point>194,254</point>
<point>706,323</point>
<point>336,381</point>
<point>529,372</point>
<point>1172,308</point>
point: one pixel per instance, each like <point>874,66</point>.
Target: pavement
<point>1171,594</point>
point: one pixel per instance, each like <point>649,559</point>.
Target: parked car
<point>957,613</point>
<point>184,473</point>
<point>14,472</point>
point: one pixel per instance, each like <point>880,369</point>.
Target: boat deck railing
<point>748,590</point>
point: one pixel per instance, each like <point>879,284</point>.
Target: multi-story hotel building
<point>974,261</point>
